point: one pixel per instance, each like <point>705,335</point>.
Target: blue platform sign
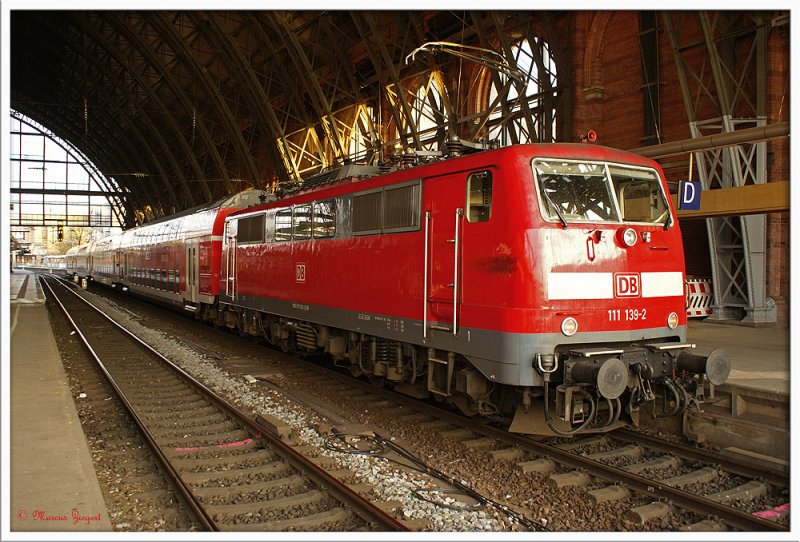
<point>689,195</point>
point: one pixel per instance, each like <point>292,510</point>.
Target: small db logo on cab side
<point>300,272</point>
<point>627,285</point>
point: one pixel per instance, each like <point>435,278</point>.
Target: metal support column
<point>737,244</point>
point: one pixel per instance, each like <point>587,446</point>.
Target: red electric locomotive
<point>534,275</point>
<point>539,282</point>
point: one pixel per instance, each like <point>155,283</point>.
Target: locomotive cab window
<point>572,191</point>
<point>575,191</point>
<point>639,195</point>
<point>479,196</point>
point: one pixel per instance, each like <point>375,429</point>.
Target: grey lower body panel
<point>505,358</point>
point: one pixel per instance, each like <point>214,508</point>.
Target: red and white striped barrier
<point>698,298</point>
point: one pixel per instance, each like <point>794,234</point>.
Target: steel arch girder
<point>746,260</point>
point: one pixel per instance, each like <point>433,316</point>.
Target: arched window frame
<point>113,194</point>
<point>531,118</point>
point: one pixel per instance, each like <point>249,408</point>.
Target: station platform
<point>53,480</point>
<point>759,355</point>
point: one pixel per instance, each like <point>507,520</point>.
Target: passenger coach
<point>174,260</point>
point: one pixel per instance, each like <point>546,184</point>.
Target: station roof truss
<point>184,107</point>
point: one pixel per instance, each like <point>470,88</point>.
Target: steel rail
<point>730,464</point>
<point>362,507</point>
<point>682,499</point>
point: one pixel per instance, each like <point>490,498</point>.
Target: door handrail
<point>425,279</point>
<point>459,214</point>
<point>235,258</point>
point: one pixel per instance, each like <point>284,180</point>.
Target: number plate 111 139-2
<point>628,315</point>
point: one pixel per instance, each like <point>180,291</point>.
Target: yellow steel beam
<point>741,200</point>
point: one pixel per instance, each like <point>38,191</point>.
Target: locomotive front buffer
<point>598,389</point>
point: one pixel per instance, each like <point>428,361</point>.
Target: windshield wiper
<point>555,208</point>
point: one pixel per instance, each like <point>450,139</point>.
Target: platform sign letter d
<point>690,195</point>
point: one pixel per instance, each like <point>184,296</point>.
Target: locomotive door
<point>192,265</point>
<point>443,223</point>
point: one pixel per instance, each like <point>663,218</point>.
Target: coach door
<point>230,258</point>
<point>443,224</point>
<point>192,265</point>
<point>118,264</point>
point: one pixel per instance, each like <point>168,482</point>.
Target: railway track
<point>724,492</point>
<point>138,494</point>
<point>233,473</point>
<point>647,479</point>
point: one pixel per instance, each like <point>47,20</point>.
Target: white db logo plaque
<point>627,285</point>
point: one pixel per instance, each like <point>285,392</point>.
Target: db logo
<point>627,285</point>
<point>300,272</point>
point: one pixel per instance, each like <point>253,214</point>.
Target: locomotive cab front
<point>611,275</point>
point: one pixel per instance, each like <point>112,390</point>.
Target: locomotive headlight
<point>569,326</point>
<point>672,320</point>
<point>629,237</point>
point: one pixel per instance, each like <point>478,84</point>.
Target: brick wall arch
<point>592,56</point>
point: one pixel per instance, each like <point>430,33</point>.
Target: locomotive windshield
<point>599,192</point>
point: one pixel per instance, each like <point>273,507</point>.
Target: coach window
<point>479,196</point>
<point>283,225</point>
<point>301,223</point>
<point>324,220</point>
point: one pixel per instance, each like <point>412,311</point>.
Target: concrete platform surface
<point>53,482</point>
<point>759,355</point>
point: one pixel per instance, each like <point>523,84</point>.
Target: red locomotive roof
<point>497,157</point>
